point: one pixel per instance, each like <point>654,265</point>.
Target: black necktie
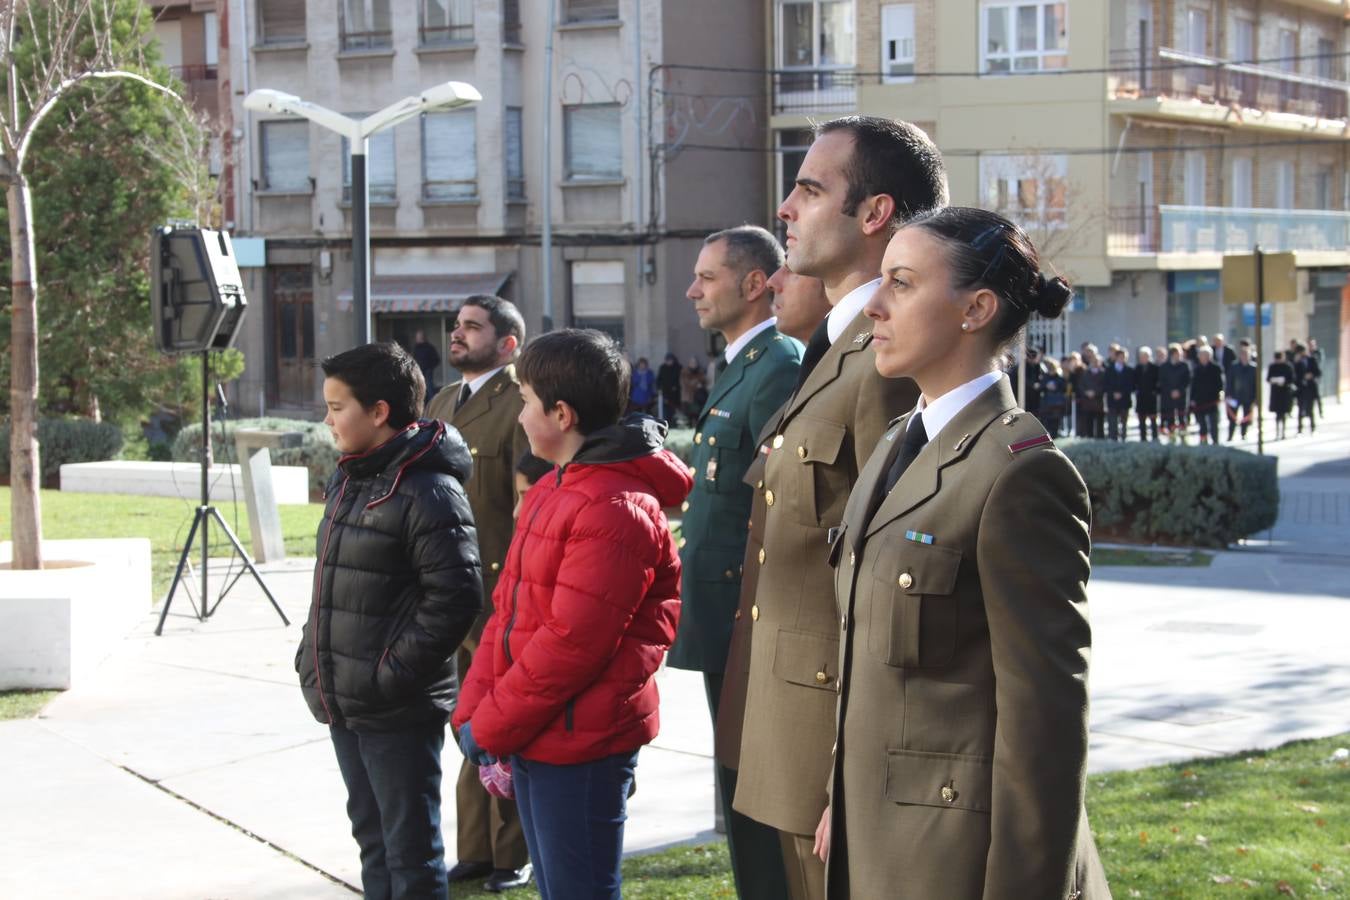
<point>464,395</point>
<point>915,437</point>
<point>815,349</point>
<point>721,364</point>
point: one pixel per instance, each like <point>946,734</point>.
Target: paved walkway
<point>190,767</point>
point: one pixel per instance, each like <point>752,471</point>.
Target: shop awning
<point>426,293</point>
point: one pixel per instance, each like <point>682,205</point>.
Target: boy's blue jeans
<point>394,802</point>
<point>573,820</point>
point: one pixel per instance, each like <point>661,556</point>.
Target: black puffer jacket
<point>397,584</point>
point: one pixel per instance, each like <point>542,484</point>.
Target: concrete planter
<point>58,624</point>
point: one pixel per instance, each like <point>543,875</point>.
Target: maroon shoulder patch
<point>1039,441</point>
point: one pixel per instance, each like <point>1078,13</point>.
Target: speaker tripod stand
<point>201,523</point>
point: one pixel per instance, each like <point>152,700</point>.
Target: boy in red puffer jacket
<point>585,610</point>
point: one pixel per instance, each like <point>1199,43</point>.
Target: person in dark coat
<point>1119,395</point>
<point>1174,384</point>
<point>1307,373</point>
<point>428,360</point>
<point>1318,356</point>
<point>1035,373</point>
<point>1222,354</point>
<point>1146,394</point>
<point>1054,397</point>
<point>1282,379</point>
<point>1088,393</point>
<point>668,384</point>
<point>1240,380</point>
<point>397,586</point>
<point>1207,394</point>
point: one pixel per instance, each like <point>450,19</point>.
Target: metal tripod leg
<point>178,575</point>
<point>248,565</point>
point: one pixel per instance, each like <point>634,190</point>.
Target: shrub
<point>317,452</point>
<point>680,441</point>
<point>1203,496</point>
<point>67,441</point>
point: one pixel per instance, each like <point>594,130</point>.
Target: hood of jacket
<point>427,445</point>
<point>635,444</point>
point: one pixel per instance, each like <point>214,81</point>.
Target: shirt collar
<point>736,346</point>
<point>482,380</point>
<point>937,413</point>
<point>847,309</point>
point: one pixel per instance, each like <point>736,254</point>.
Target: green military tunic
<point>713,534</point>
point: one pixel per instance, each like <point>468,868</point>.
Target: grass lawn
<point>23,704</point>
<point>164,520</point>
<point>1128,556</point>
<point>1257,824</point>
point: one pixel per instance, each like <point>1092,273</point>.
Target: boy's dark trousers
<point>573,818</point>
<point>394,802</point>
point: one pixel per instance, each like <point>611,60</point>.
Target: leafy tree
<point>94,150</point>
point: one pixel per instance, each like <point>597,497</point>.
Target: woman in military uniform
<point>961,574</point>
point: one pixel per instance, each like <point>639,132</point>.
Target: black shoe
<point>463,871</point>
<point>508,879</point>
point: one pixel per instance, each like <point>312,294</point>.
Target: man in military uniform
<point>484,405</point>
<point>862,177</point>
<point>759,367</point>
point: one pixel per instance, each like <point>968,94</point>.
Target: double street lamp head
<point>447,95</point>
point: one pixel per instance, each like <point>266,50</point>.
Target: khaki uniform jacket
<point>963,711</point>
<point>490,426</point>
<point>821,440</point>
<point>713,532</point>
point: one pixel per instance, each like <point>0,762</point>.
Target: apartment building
<point>635,177</point>
<point>1137,140</point>
<point>188,34</point>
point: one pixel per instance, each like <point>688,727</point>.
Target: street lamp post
<point>449,95</point>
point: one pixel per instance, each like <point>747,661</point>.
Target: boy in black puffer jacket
<point>396,588</point>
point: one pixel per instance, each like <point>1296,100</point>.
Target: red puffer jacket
<point>587,606</point>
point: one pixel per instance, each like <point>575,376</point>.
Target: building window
<point>598,297</point>
<point>1241,188</point>
<point>380,181</point>
<point>445,22</point>
<point>281,21</point>
<point>1030,190</point>
<point>1284,184</point>
<point>816,34</point>
<point>210,40</point>
<point>1323,182</point>
<point>590,10</point>
<point>791,150</point>
<point>515,153</point>
<point>1195,38</point>
<point>450,156</point>
<point>897,42</point>
<point>285,157</point>
<point>1024,37</point>
<point>1193,178</point>
<point>1324,66</point>
<point>365,25</point>
<point>594,151</point>
<point>1288,51</point>
<point>1243,47</point>
<point>511,21</point>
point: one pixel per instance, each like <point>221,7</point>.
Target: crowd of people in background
<point>1089,394</point>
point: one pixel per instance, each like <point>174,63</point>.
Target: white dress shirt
<point>738,345</point>
<point>847,309</point>
<point>937,413</point>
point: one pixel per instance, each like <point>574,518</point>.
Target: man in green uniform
<point>758,369</point>
<point>484,405</point>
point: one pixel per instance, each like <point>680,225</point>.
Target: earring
<point>965,326</point>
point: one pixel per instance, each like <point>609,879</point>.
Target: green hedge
<point>317,452</point>
<point>1203,496</point>
<point>680,441</point>
<point>67,441</point>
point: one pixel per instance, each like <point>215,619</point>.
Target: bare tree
<point>72,43</point>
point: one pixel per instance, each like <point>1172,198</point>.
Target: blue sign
<point>1249,314</point>
<point>1199,282</point>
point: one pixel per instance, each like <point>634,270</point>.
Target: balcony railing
<point>189,74</point>
<point>1165,72</point>
<point>1222,229</point>
<point>816,90</point>
<point>440,35</point>
<point>367,40</point>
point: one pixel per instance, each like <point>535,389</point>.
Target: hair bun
<point>1051,296</point>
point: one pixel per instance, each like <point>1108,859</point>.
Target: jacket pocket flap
<point>917,568</point>
<point>716,564</point>
<point>487,446</point>
<point>723,437</point>
<point>819,441</point>
<point>939,779</point>
<point>812,660</point>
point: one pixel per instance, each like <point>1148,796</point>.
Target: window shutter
<point>281,21</point>
<point>591,10</point>
<point>594,151</point>
<point>515,153</point>
<point>449,156</point>
<point>285,156</point>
